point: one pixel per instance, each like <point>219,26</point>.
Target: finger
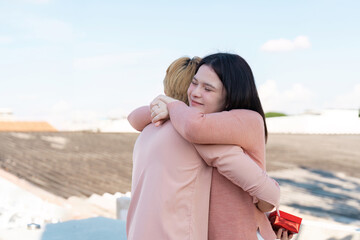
<point>154,102</point>
<point>291,236</point>
<point>157,109</point>
<point>162,104</point>
<point>157,104</point>
<point>279,233</point>
<point>154,112</point>
<point>160,107</point>
<point>285,235</point>
<point>154,118</point>
<point>158,117</point>
<point>154,105</point>
<point>158,123</point>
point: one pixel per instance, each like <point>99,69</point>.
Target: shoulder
<point>247,114</point>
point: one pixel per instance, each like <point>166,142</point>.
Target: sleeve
<point>236,127</point>
<point>140,118</point>
<point>240,169</point>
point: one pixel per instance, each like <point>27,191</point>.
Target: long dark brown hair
<point>238,80</point>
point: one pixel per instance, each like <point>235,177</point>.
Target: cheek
<point>223,101</point>
<point>219,102</point>
<point>189,90</point>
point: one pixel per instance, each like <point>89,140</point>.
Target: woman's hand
<point>159,111</point>
<point>283,234</point>
<point>264,206</point>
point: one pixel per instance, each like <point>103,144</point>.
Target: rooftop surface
<point>82,163</point>
<point>70,163</point>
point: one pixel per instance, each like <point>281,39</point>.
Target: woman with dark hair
<point>238,81</point>
<point>208,94</point>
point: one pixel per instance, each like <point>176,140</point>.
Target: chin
<point>201,108</point>
<point>196,106</point>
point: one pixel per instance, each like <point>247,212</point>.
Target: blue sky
<point>97,59</point>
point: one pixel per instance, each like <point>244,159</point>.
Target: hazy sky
<point>62,59</point>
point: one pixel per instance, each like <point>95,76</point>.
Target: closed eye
<point>194,82</point>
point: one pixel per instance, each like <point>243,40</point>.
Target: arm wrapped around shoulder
<point>240,127</point>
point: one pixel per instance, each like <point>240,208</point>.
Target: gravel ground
<point>334,153</point>
<point>319,176</point>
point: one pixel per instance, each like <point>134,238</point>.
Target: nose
<point>196,92</point>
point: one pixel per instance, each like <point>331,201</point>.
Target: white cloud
<point>294,100</point>
<point>349,100</point>
<point>284,45</point>
<point>5,39</point>
<point>297,93</point>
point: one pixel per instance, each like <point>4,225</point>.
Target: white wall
<point>323,122</point>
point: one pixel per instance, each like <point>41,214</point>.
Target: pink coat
<point>232,213</point>
<point>170,188</point>
<point>238,218</point>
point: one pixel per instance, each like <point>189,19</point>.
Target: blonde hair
<point>178,77</point>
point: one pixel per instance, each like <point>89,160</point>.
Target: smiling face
<point>206,91</point>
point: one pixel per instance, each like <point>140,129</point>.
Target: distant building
<point>331,121</point>
<point>6,114</point>
<point>9,124</point>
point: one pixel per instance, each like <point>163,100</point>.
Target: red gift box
<point>285,220</point>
